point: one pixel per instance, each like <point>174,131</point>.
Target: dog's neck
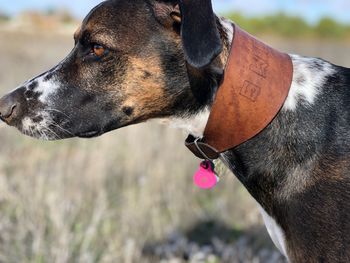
<point>195,123</point>
<point>270,167</point>
<point>291,161</point>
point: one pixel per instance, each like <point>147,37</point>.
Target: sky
<point>311,10</point>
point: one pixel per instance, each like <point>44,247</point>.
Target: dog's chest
<point>275,231</point>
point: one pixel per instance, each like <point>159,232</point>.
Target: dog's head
<point>132,61</point>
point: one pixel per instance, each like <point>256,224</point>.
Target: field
<point>125,197</point>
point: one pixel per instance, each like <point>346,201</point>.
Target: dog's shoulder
<point>313,78</point>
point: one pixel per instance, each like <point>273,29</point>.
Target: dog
<point>165,59</point>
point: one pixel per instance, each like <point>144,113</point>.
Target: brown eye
<point>98,50</point>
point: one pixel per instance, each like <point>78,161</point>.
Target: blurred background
<point>128,196</point>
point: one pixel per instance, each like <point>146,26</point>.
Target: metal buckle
<point>200,150</point>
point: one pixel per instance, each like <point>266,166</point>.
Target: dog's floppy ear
<point>200,36</point>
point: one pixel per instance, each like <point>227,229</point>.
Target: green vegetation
<point>291,26</point>
<point>279,24</point>
<point>327,27</point>
<point>65,16</point>
<point>3,17</point>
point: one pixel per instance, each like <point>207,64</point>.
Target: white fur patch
<point>228,26</point>
<point>27,124</point>
<point>45,86</point>
<point>46,89</point>
<point>194,124</point>
<point>41,130</point>
<point>308,79</point>
<point>275,231</point>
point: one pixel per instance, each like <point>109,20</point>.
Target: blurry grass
<point>101,200</point>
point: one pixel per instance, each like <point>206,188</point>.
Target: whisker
<point>56,136</point>
<point>58,111</point>
<point>53,123</point>
<point>31,131</point>
<point>43,135</point>
<point>47,133</point>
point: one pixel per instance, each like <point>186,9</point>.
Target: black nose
<point>7,106</point>
<point>11,104</point>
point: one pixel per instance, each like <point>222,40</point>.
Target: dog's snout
<point>10,106</point>
<point>7,106</point>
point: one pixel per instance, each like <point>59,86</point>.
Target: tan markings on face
<point>144,88</point>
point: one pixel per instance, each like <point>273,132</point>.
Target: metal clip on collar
<point>200,150</point>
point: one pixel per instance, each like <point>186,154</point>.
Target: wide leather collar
<point>256,83</point>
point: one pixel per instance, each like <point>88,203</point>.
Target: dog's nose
<point>10,105</point>
<point>7,106</point>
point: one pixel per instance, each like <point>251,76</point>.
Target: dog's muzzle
<point>12,106</point>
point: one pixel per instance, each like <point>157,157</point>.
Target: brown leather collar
<point>256,84</point>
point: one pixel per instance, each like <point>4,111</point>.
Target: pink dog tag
<point>205,177</point>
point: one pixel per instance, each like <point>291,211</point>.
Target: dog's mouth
<point>89,134</point>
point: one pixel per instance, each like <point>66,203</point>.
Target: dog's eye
<point>98,50</point>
